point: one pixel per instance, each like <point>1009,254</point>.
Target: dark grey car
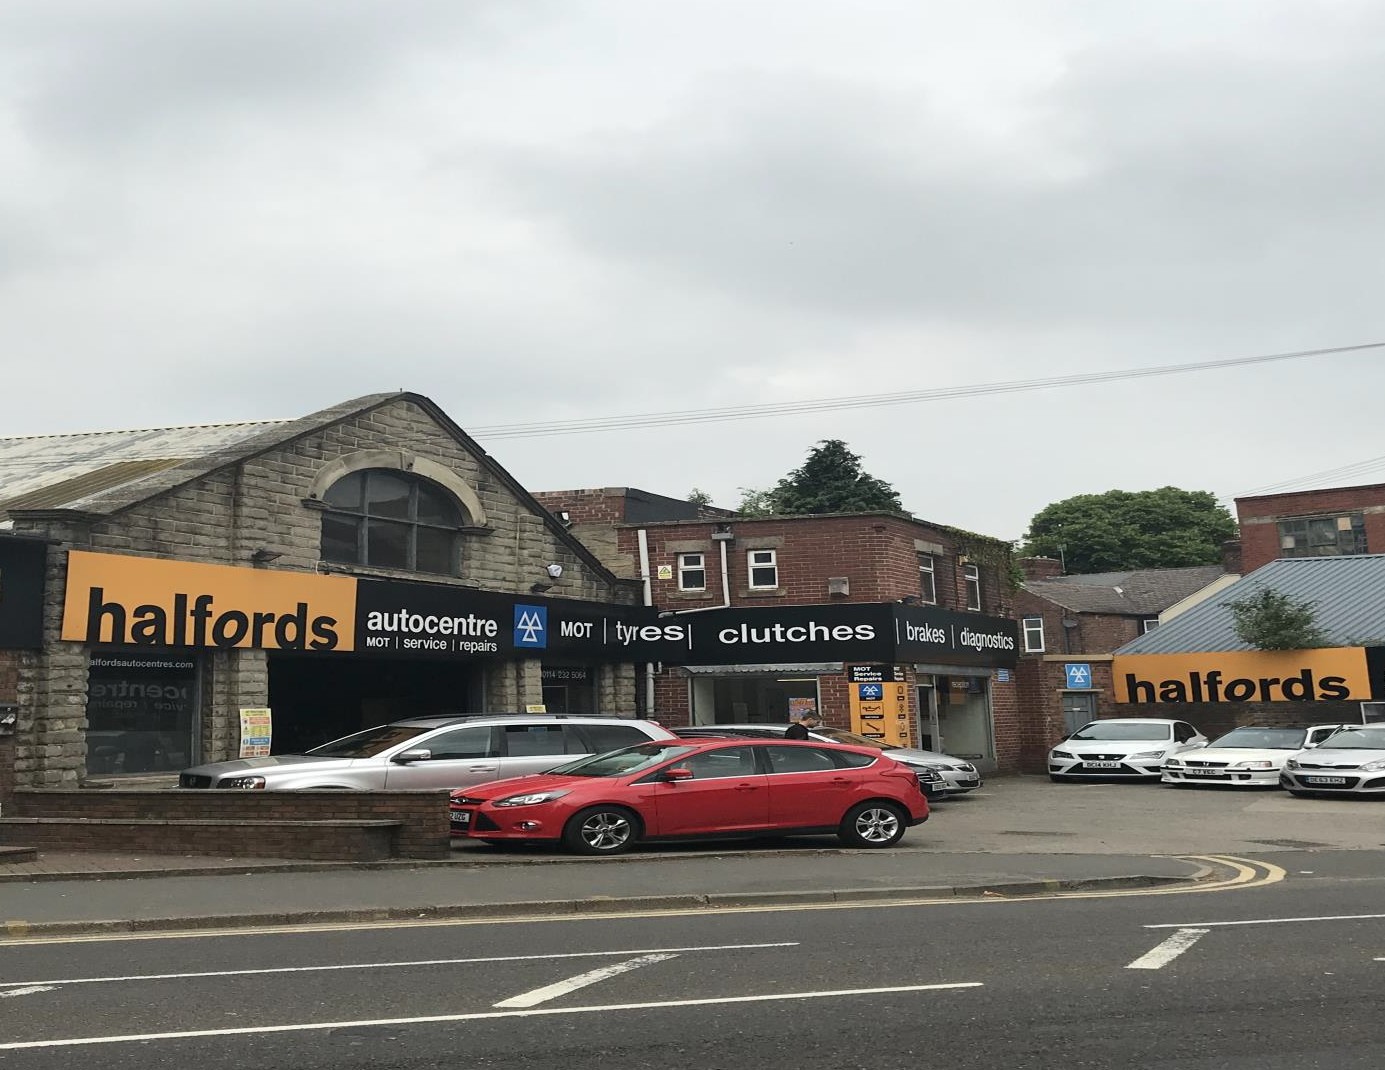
<point>432,752</point>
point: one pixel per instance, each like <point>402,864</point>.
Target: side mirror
<point>404,757</point>
<point>678,773</point>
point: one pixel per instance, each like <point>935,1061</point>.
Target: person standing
<point>800,728</point>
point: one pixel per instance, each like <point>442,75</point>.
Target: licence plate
<point>1202,772</point>
<point>1324,780</point>
<point>1101,765</point>
<point>461,817</point>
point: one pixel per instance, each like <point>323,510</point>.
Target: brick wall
<point>1259,516</point>
<point>9,695</point>
<point>421,815</point>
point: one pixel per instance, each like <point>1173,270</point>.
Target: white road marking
<point>561,988</point>
<point>392,965</point>
<point>1271,921</point>
<point>319,1027</point>
<point>28,990</point>
<point>1159,957</point>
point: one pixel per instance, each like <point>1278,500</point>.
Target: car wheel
<point>873,824</point>
<point>601,830</point>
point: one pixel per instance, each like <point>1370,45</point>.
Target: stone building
<point>361,563</point>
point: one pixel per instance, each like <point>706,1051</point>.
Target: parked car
<point>1122,747</point>
<point>708,788</point>
<point>1250,756</point>
<point>958,776</point>
<point>432,752</point>
<point>1351,761</point>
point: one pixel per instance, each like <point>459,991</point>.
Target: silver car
<point>1131,747</point>
<point>432,752</point>
<point>959,776</point>
<point>1351,761</point>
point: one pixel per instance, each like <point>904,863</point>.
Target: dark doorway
<point>317,699</point>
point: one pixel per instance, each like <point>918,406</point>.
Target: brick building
<point>1312,523</point>
<point>840,567</point>
<point>1069,627</point>
<point>363,562</point>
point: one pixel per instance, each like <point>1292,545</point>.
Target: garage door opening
<point>317,699</point>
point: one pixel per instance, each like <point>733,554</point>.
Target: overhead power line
<point>1347,471</point>
<point>865,401</point>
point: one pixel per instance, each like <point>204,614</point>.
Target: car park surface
<point>431,752</point>
<point>957,775</point>
<point>1131,747</point>
<point>1248,756</point>
<point>709,788</point>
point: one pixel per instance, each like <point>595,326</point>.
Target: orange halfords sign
<point>146,601</point>
<point>1337,674</point>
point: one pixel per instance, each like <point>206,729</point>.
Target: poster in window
<point>256,731</point>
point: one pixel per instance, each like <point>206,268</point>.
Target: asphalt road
<point>1286,975</point>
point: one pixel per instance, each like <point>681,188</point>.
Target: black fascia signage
<point>861,631</point>
<point>950,638</point>
<point>22,565</point>
<point>435,620</point>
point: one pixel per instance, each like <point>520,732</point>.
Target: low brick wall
<point>421,817</point>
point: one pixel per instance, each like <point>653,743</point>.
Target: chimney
<point>1231,556</point>
<point>1040,568</point>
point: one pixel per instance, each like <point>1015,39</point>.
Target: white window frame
<point>972,575</point>
<point>770,560</point>
<point>1033,629</point>
<point>928,566</point>
<point>684,567</point>
<point>1148,624</point>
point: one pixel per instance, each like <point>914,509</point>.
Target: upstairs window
<point>1148,624</point>
<point>972,575</point>
<point>692,572</point>
<point>928,580</point>
<point>389,519</point>
<point>1033,635</point>
<point>764,569</point>
<point>1323,536</point>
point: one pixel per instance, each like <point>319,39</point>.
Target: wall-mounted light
<point>540,588</point>
<point>555,571</point>
<point>263,556</point>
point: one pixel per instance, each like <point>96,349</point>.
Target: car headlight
<point>533,798</point>
<point>1292,763</point>
<point>1061,754</point>
<point>1172,762</point>
<point>1145,755</point>
<point>1373,767</point>
<point>1253,765</point>
<point>242,782</point>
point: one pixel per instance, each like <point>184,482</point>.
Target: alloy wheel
<point>877,824</point>
<point>606,831</point>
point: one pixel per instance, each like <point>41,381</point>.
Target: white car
<point>1130,747</point>
<point>1349,762</point>
<point>1251,756</point>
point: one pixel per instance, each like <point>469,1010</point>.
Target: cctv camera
<point>555,571</point>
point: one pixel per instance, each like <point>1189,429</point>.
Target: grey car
<point>959,776</point>
<point>432,752</point>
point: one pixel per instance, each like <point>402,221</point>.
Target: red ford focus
<point>714,788</point>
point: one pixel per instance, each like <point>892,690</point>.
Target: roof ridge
<point>143,430</point>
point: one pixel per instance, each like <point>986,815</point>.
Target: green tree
<point>831,480</point>
<point>756,502</point>
<point>698,496</point>
<point>1269,620</point>
<point>1164,528</point>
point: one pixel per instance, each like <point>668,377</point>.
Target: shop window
<point>1323,536</point>
<point>1033,635</point>
<point>972,575</point>
<point>928,579</point>
<point>141,713</point>
<point>692,572</point>
<point>764,569</point>
<point>390,519</point>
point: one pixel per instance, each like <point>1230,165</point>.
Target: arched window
<point>391,519</point>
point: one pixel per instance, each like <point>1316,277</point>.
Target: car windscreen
<point>1356,739</point>
<point>367,744</point>
<point>1116,731</point>
<point>836,735</point>
<point>1263,739</point>
<point>623,762</point>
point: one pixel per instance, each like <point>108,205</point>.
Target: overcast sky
<point>544,209</point>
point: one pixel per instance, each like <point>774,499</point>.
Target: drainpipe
<point>643,537</point>
<point>725,592</point>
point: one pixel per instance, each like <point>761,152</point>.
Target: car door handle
<point>840,781</point>
<point>747,787</point>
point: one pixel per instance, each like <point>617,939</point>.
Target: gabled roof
<point>100,474</point>
<point>1346,593</point>
<point>1140,592</point>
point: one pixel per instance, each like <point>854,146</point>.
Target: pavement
<point>1018,836</point>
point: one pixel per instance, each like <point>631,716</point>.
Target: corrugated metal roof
<point>1139,592</point>
<point>1346,593</point>
<point>64,471</point>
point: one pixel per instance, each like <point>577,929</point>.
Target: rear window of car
<point>535,740</point>
<point>604,737</point>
